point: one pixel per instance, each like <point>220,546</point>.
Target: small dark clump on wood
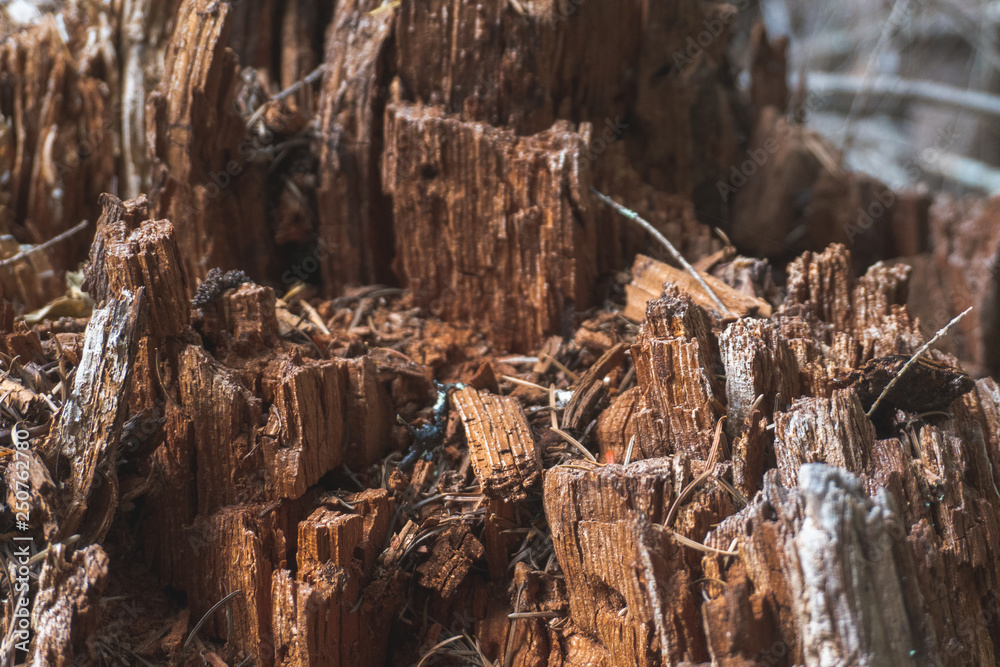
<point>215,283</point>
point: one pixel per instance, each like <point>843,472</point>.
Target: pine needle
<point>576,443</point>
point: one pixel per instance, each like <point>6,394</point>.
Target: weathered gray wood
<point>90,424</point>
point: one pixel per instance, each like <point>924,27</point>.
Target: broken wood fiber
<point>504,457</point>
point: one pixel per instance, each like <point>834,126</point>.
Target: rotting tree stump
<point>360,376</point>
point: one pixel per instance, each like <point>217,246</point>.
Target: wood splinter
<point>503,452</point>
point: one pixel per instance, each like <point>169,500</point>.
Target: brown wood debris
<point>675,356</point>
<point>239,436</point>
<point>501,446</point>
<point>67,609</point>
<point>649,276</point>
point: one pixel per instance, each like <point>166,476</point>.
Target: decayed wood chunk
<point>90,423</point>
<point>823,430</point>
<point>313,623</point>
<point>328,613</point>
<point>326,413</point>
<point>131,251</point>
<point>616,427</point>
<point>758,362</point>
<point>881,324</point>
<point>504,456</point>
<point>628,581</point>
<point>822,284</point>
<point>377,508</point>
<point>369,413</point>
<point>963,270</point>
<point>246,324</point>
<point>328,536</point>
<point>173,497</point>
<point>307,427</point>
<point>930,385</point>
<point>237,548</point>
<point>863,616</point>
<point>66,612</point>
<point>451,558</point>
<point>224,418</point>
<point>58,142</point>
<point>494,221</point>
<point>835,583</point>
<point>202,154</point>
<point>649,275</point>
<point>354,216</point>
<point>675,358</point>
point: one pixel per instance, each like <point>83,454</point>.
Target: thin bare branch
<point>634,217</point>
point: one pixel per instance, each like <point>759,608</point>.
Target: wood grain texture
<point>502,448</point>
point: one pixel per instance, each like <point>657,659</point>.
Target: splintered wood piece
<point>758,362</point>
<point>237,548</point>
<point>750,453</point>
<point>591,392</point>
<point>60,141</point>
<point>498,542</point>
<point>478,234</point>
<point>627,579</point>
<point>66,612</point>
<point>866,614</point>
<point>928,386</point>
<point>616,427</point>
<point>130,251</point>
<point>824,540</point>
<point>675,356</point>
<point>822,285</point>
<point>246,323</point>
<point>173,502</point>
<point>369,413</point>
<point>504,457</point>
<point>90,423</point>
<point>224,420</point>
<point>328,536</point>
<point>201,149</point>
<point>649,275</point>
<point>823,430</point>
<point>881,324</point>
<point>377,508</point>
<point>451,557</point>
<point>306,428</point>
<point>317,621</point>
<point>353,215</point>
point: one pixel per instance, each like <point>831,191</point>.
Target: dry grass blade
<point>534,614</point>
<point>688,542</point>
<point>634,217</point>
<point>706,473</point>
<point>575,377</point>
<point>437,647</point>
<point>576,443</point>
<point>524,383</point>
<point>926,346</point>
<point>208,614</point>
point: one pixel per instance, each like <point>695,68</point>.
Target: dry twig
<point>634,217</point>
<point>926,346</point>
